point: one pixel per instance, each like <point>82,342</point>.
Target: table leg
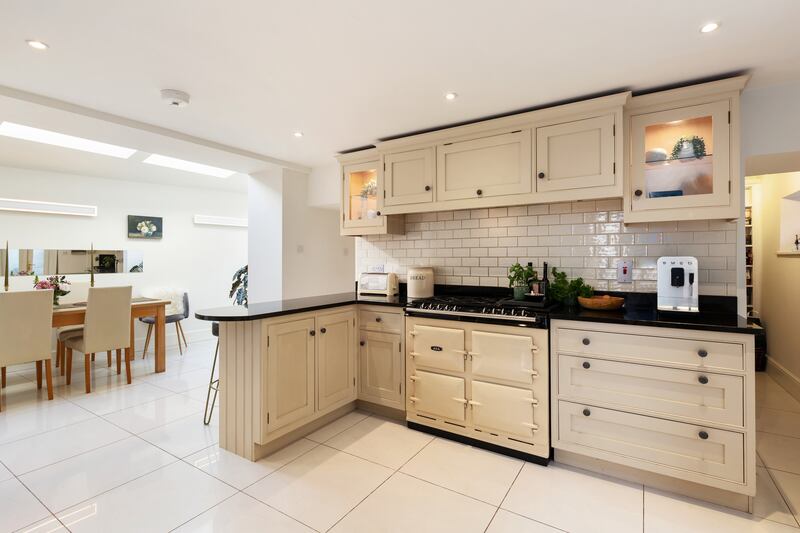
<point>161,349</point>
<point>133,339</point>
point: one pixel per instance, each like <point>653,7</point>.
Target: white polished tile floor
<point>138,458</point>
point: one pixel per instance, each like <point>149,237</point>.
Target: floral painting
<point>140,227</point>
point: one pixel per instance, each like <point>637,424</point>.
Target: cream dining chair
<point>106,327</point>
<point>26,322</point>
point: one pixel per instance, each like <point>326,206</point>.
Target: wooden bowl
<point>602,303</point>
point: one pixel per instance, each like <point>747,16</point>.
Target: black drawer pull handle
<point>541,175</point>
<point>312,332</point>
<point>586,412</point>
<point>378,319</point>
<point>322,330</point>
<point>703,435</point>
<point>638,192</point>
<point>586,341</point>
<point>362,343</point>
<point>379,213</point>
<point>703,380</point>
<point>586,364</point>
<point>427,187</point>
<point>479,191</point>
<point>702,353</point>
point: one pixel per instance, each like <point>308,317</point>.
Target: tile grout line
<point>785,500</point>
<point>37,499</point>
<point>504,497</point>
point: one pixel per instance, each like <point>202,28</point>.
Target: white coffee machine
<point>677,284</point>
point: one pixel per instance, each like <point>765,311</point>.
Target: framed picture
<point>141,227</point>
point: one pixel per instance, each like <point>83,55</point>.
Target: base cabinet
<point>381,362</point>
<point>660,404</point>
<point>336,377</point>
<point>290,372</point>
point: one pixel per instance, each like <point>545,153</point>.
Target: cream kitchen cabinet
<point>291,372</point>
<point>336,361</point>
<point>498,164</point>
<point>408,177</point>
<point>576,155</point>
<point>360,202</point>
<point>381,356</point>
<point>482,381</point>
<point>677,406</point>
<point>684,157</point>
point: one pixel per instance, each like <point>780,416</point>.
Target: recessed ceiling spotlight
<point>298,134</point>
<point>709,27</point>
<point>37,45</point>
<point>450,96</point>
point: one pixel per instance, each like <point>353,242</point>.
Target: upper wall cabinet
<point>493,165</point>
<point>684,154</point>
<point>576,155</point>
<point>408,177</point>
<point>360,215</point>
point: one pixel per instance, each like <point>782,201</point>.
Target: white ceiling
<point>348,72</point>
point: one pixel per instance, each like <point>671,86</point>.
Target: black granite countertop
<point>257,311</point>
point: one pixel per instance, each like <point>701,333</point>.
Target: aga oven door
<point>507,356</point>
<point>437,347</point>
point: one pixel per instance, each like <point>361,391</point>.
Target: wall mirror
<point>40,262</point>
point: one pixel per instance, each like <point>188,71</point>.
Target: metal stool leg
<point>213,384</point>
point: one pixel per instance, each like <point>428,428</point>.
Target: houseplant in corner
<point>519,278</point>
<point>239,287</point>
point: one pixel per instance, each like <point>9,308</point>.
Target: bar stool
<point>25,327</point>
<point>213,384</point>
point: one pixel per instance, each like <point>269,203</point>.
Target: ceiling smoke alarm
<point>175,98</point>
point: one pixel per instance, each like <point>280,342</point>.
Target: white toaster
<point>378,284</point>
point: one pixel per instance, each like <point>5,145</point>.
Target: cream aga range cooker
<point>477,371</point>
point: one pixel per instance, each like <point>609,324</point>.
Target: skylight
<point>27,133</point>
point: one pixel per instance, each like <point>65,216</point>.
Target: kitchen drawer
<point>507,410</point>
<point>663,446</point>
<point>662,350</point>
<point>380,321</point>
<point>505,356</point>
<point>686,393</point>
<point>438,395</point>
<point>437,347</point>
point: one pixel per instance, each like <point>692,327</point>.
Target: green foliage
<point>239,287</point>
<point>567,292</point>
<point>698,146</point>
<point>519,275</point>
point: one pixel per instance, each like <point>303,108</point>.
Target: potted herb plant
<point>567,292</point>
<point>519,278</point>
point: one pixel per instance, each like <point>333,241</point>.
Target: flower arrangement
<point>57,284</point>
<point>146,228</point>
<point>370,188</point>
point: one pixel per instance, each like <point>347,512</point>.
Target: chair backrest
<point>185,305</point>
<point>26,322</point>
<point>78,292</point>
<point>108,319</point>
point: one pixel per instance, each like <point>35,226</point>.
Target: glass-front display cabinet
<point>360,210</point>
<point>681,157</point>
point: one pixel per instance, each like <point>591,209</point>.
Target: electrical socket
<point>625,271</point>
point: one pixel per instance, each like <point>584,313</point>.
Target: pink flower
<point>44,285</point>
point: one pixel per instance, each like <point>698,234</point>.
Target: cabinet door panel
<point>575,155</point>
<point>408,177</point>
<point>381,366</point>
<point>504,356</point>
<point>437,395</point>
<point>436,347</point>
<point>336,378</point>
<point>680,158</point>
<point>360,196</point>
<point>290,371</point>
<point>495,166</point>
<point>506,410</point>
<point>653,440</point>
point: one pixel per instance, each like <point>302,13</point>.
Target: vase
<point>687,150</point>
<point>520,291</point>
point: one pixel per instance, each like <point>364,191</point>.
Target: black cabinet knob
<point>379,213</point>
<point>586,364</point>
<point>586,412</point>
<point>362,343</point>
<point>703,435</point>
<point>703,379</point>
<point>312,332</point>
<point>638,192</point>
<point>322,330</point>
<point>479,192</point>
<point>427,187</point>
<point>702,353</point>
<point>541,175</point>
<point>586,341</point>
<point>378,319</point>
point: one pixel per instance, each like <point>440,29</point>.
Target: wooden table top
<point>135,302</point>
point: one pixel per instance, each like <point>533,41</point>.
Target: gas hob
<point>480,309</point>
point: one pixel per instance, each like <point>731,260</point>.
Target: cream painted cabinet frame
<point>494,165</point>
<point>576,155</point>
<point>408,177</point>
<point>360,196</point>
<point>683,155</point>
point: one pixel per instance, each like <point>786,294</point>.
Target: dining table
<point>74,314</point>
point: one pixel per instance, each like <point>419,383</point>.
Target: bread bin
<point>420,282</point>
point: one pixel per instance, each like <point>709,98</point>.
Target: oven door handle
<point>534,373</point>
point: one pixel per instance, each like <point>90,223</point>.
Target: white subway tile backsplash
<point>586,239</point>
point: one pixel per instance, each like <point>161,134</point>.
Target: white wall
<point>770,118</point>
<point>324,186</point>
<point>200,259</point>
<point>264,235</point>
